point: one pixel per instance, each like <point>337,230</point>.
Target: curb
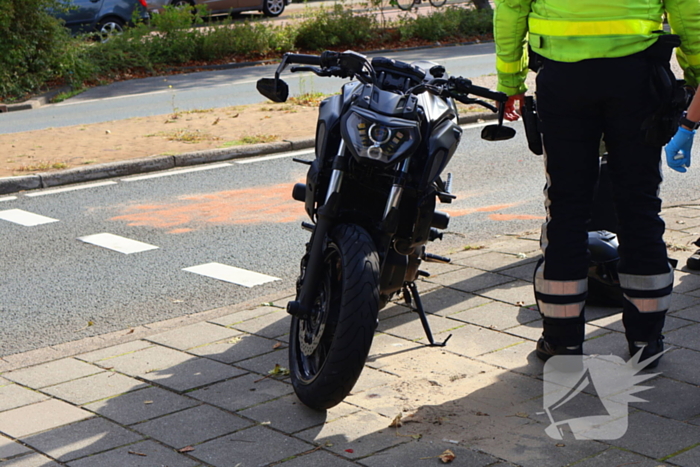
<point>155,163</point>
<point>35,102</point>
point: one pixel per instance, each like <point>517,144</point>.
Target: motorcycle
<point>371,190</point>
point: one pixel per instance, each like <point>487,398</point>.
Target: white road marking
<point>117,243</point>
<point>176,172</point>
<point>25,218</point>
<point>8,198</point>
<point>70,188</point>
<point>276,156</point>
<point>102,99</point>
<point>231,274</point>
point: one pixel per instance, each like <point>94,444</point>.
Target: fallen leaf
<point>560,445</point>
<point>417,436</point>
<point>522,414</point>
<point>277,345</point>
<point>148,402</point>
<point>329,445</point>
<point>447,456</point>
<point>137,453</point>
<point>396,422</point>
<point>130,331</point>
<point>278,371</point>
<point>186,449</point>
<point>216,121</point>
<point>235,116</point>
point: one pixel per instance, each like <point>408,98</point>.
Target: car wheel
<point>108,27</point>
<point>273,7</point>
<point>182,4</point>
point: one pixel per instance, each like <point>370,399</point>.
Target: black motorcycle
<point>371,191</point>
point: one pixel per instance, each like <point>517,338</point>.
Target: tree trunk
<point>481,4</point>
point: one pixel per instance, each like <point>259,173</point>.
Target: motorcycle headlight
<point>378,138</point>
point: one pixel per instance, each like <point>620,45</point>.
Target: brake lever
<point>312,69</point>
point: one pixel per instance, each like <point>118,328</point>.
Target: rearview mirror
<point>274,89</point>
<point>497,133</point>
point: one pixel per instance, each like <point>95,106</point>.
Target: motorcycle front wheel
<point>328,351</point>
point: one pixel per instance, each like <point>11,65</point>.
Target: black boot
<point>649,349</point>
<point>545,350</point>
<point>561,336</point>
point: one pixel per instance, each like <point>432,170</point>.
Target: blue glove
<point>678,150</point>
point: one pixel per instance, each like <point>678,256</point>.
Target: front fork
<point>325,220</point>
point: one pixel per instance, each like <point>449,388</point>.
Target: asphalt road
<point>56,287</point>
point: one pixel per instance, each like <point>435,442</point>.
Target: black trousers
<point>577,104</point>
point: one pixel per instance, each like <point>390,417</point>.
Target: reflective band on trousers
<point>551,287</point>
<point>508,67</point>
<point>650,305</point>
<point>655,282</point>
<point>618,27</point>
<point>553,310</point>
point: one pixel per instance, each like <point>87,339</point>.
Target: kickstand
<point>410,293</point>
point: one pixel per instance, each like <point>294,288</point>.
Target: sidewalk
<point>196,391</point>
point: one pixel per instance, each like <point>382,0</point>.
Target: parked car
<point>105,17</point>
<point>216,7</point>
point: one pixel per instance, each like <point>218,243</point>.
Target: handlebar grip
<point>488,93</point>
<point>303,59</point>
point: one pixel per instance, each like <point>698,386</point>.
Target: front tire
<point>327,353</point>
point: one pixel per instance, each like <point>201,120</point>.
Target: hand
<point>678,150</point>
<point>511,113</point>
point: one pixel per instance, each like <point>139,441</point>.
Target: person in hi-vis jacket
<point>678,155</point>
<point>595,66</point>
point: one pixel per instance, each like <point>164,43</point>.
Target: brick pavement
<point>195,391</point>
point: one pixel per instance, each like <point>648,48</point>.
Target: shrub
<point>34,46</point>
<point>450,22</point>
<point>338,26</point>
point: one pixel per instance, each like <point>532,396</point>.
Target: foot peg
<point>431,258</point>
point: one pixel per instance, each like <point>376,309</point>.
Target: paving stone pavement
<point>196,391</point>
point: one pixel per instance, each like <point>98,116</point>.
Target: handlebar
<point>487,93</point>
<point>351,64</point>
<point>303,59</point>
<point>463,85</point>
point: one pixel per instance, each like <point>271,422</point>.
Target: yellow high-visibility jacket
<point>574,30</point>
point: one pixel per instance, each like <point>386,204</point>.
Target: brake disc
<point>309,348</point>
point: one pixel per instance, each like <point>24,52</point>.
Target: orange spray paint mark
<point>512,217</point>
<point>494,217</point>
<point>465,212</point>
<point>271,204</point>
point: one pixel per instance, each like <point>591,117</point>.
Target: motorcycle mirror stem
<point>498,132</point>
<point>275,89</point>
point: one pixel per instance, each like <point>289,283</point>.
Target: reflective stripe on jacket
<point>570,31</point>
